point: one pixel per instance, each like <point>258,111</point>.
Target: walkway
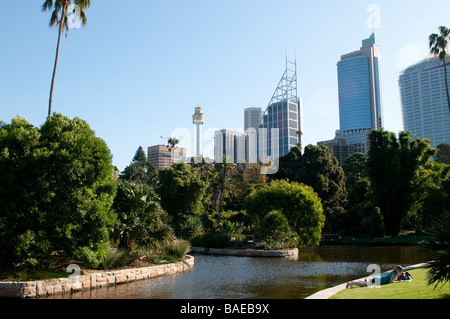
<point>327,293</point>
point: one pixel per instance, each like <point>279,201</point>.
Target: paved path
<point>327,293</point>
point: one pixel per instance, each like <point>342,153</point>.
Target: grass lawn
<point>416,289</point>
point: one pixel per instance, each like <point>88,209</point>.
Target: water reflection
<point>228,277</point>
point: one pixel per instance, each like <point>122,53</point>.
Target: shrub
<point>298,203</point>
<point>140,218</point>
<point>56,191</point>
<point>178,248</point>
<point>212,240</point>
<point>191,227</point>
<point>274,232</point>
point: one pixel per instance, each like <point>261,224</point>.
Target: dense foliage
<point>56,190</point>
<point>298,203</point>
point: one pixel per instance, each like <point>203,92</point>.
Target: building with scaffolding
<point>282,120</point>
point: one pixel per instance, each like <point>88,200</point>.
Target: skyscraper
<point>252,117</point>
<point>283,115</point>
<point>424,101</point>
<point>360,100</point>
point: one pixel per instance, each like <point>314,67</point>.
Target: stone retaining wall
<point>281,253</point>
<point>33,289</point>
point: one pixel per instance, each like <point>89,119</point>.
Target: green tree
<point>225,172</point>
<point>61,8</point>
<point>56,191</point>
<point>140,170</point>
<point>392,168</point>
<point>139,156</point>
<point>432,195</point>
<point>180,190</point>
<point>438,46</point>
<point>274,232</point>
<point>443,154</point>
<point>141,219</point>
<point>298,203</point>
<point>318,168</point>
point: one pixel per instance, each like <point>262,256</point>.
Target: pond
<point>227,277</point>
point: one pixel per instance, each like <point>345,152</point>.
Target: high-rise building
<point>283,116</point>
<point>360,94</point>
<point>253,117</point>
<point>424,101</point>
<point>162,156</point>
<point>229,143</point>
<point>360,100</point>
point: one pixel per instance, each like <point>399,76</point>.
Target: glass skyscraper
<point>360,97</point>
<point>282,117</point>
<point>424,101</point>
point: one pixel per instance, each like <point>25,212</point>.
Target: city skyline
<point>115,72</point>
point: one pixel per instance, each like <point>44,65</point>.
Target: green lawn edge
<point>416,289</point>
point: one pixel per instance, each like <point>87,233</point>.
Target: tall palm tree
<point>61,7</point>
<point>438,46</point>
<point>225,171</point>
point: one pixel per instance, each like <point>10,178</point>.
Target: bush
<point>140,218</point>
<point>274,232</point>
<point>212,240</point>
<point>178,248</point>
<point>298,203</point>
<point>56,191</point>
<point>191,227</point>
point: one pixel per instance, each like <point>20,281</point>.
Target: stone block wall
<point>39,288</point>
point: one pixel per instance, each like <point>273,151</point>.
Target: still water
<point>225,277</point>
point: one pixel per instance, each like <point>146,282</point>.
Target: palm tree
<point>438,46</point>
<point>61,7</point>
<point>172,141</point>
<point>225,172</point>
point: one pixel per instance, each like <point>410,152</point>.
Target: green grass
<point>416,289</point>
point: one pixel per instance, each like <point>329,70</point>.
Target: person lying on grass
<point>382,279</point>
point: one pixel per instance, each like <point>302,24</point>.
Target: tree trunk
<point>446,85</point>
<point>61,27</point>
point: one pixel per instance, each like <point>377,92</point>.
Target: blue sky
<point>137,71</point>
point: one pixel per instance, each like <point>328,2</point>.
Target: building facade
<point>229,143</point>
<point>282,117</point>
<point>425,109</point>
<point>163,157</point>
<point>360,94</point>
<point>360,100</point>
<point>253,117</point>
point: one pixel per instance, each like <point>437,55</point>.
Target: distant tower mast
<point>198,118</point>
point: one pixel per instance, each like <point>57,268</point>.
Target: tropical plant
<point>437,240</point>
<point>141,220</point>
<point>61,8</point>
<point>438,46</point>
<point>225,171</point>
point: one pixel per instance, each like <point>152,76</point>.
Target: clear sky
<point>139,68</point>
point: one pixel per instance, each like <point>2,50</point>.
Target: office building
<point>253,117</point>
<point>229,143</point>
<point>283,117</point>
<point>425,109</point>
<point>360,97</point>
<point>163,157</point>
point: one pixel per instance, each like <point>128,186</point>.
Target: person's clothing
<point>384,278</point>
